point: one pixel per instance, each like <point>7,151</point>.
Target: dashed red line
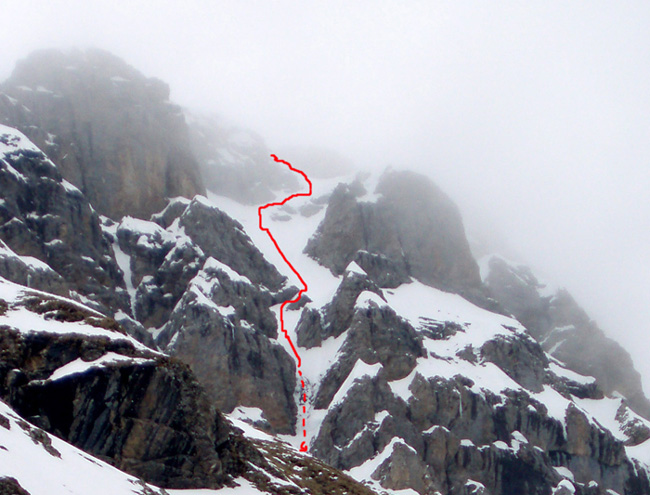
<point>303,445</point>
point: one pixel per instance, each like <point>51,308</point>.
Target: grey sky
<point>533,116</point>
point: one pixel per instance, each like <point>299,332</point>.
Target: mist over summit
<point>140,306</point>
<point>107,126</point>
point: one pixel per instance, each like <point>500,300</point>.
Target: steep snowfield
<point>12,141</point>
<point>292,230</point>
<point>46,465</point>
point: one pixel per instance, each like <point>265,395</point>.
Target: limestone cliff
<point>111,131</point>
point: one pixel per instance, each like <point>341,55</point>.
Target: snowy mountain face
<point>145,350</point>
<point>45,217</point>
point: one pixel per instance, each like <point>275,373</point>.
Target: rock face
<point>413,225</point>
<point>11,486</point>
<point>335,318</point>
<point>375,335</point>
<point>35,462</point>
<point>163,256</point>
<point>141,411</point>
<point>237,364</point>
<point>45,217</point>
<point>565,330</point>
<point>30,272</point>
<point>112,132</point>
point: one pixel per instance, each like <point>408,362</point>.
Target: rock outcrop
<point>202,287</point>
<point>11,486</point>
<point>457,407</point>
<point>235,361</point>
<point>35,462</point>
<point>73,373</point>
<point>413,229</point>
<point>112,132</point>
<point>31,272</point>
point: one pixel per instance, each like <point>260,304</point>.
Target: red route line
<point>303,446</point>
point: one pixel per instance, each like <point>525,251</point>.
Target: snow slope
<point>46,465</point>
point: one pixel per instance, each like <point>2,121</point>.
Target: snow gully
<point>303,395</point>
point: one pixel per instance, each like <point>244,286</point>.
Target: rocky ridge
<point>202,288</point>
<point>430,406</point>
<point>564,330</point>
